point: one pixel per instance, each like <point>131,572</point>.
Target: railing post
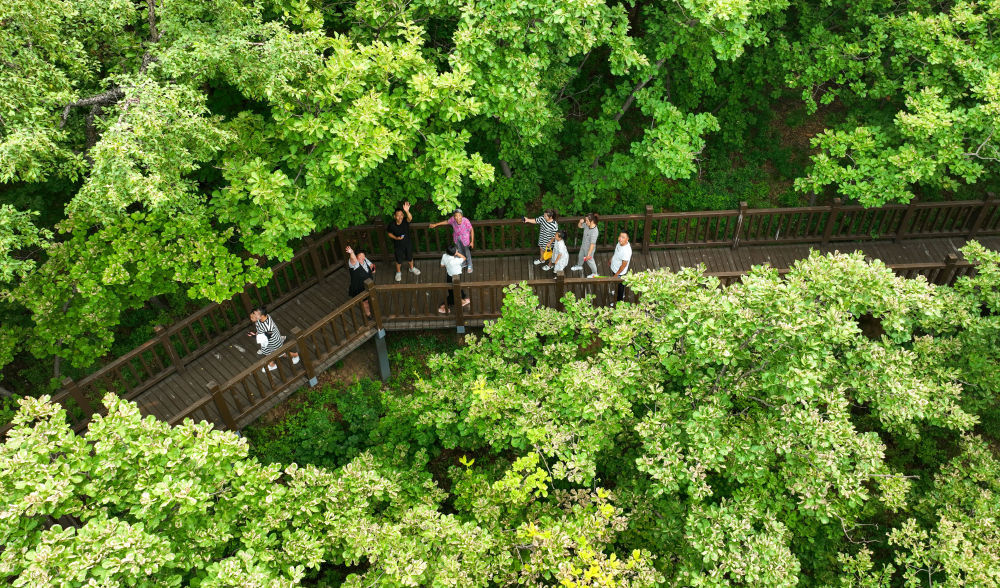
<point>245,299</point>
<point>739,223</point>
<point>950,261</point>
<point>902,229</point>
<point>164,336</point>
<point>981,217</point>
<point>305,357</point>
<point>314,256</point>
<point>77,395</point>
<point>338,247</point>
<point>831,220</point>
<point>383,240</point>
<point>456,288</point>
<point>560,289</point>
<point>373,302</point>
<point>647,228</point>
<point>221,406</point>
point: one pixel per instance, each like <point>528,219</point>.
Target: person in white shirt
<point>560,255</point>
<point>620,262</point>
<point>452,261</point>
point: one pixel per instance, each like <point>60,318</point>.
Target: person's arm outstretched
<point>530,220</point>
<point>436,225</point>
<point>352,259</point>
<point>406,211</point>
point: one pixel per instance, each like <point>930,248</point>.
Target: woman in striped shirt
<point>264,325</point>
<point>547,227</point>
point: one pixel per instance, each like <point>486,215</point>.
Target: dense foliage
<point>749,435</point>
<point>149,148</point>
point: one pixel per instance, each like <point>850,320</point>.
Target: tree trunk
<point>505,168</point>
<point>631,98</point>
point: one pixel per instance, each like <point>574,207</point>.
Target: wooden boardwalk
<point>173,395</point>
<point>206,367</point>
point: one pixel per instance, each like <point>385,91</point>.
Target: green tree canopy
<point>748,435</point>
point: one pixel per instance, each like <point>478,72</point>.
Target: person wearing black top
<point>399,231</point>
<point>361,269</point>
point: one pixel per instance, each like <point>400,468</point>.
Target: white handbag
<point>262,340</point>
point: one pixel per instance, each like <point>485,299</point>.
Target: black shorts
<point>403,251</point>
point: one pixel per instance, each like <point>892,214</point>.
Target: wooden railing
<point>177,345</point>
<point>320,345</point>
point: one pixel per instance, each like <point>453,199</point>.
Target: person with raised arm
<point>463,235</point>
<point>361,270</point>
<point>589,244</point>
<point>399,232</point>
<point>547,227</point>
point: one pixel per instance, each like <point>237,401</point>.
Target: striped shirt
<point>546,230</point>
<point>274,338</point>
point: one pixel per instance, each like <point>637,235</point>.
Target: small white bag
<point>262,340</point>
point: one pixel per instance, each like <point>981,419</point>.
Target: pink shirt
<point>462,232</point>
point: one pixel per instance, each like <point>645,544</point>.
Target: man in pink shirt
<point>463,234</point>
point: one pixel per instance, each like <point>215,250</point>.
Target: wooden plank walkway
<point>227,360</point>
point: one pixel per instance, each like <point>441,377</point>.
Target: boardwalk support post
<point>221,406</point>
<point>314,256</point>
<point>383,356</point>
<point>904,223</point>
<point>739,223</point>
<point>164,336</point>
<point>456,288</point>
<point>647,229</point>
<point>831,219</point>
<point>304,357</point>
<point>77,395</point>
<point>560,289</point>
<point>981,217</point>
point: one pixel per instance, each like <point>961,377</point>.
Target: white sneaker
<point>468,270</point>
<point>592,276</point>
<point>399,276</point>
<point>296,360</point>
<point>576,268</point>
<point>546,267</point>
<point>538,261</point>
<point>414,271</point>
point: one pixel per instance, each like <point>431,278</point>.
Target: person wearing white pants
<point>560,255</point>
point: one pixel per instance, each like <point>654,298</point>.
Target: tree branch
<point>631,98</point>
<point>104,98</point>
